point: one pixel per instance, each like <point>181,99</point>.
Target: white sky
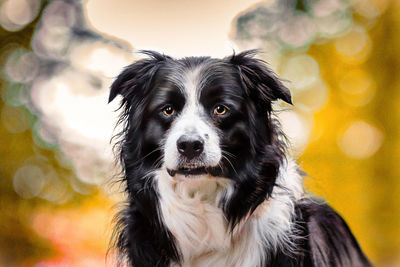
<point>174,27</point>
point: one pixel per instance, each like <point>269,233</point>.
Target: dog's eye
<point>168,111</point>
<point>220,110</point>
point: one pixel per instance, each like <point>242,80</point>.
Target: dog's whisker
<point>228,153</point>
<point>148,154</point>
<point>158,162</point>
<point>233,167</point>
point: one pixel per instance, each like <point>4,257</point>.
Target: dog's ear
<point>258,78</point>
<point>138,76</point>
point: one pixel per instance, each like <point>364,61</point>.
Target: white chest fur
<point>191,212</point>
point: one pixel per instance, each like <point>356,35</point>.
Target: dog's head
<point>203,116</point>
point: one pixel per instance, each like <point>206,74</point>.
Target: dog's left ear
<point>258,78</point>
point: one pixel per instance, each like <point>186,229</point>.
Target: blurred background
<point>341,60</point>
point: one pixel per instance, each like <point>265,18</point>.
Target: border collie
<point>207,173</point>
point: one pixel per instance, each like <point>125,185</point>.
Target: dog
<point>208,178</point>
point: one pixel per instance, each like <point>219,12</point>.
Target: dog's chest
<point>191,212</point>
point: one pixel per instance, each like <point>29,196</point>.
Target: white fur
<point>190,210</point>
<point>190,122</point>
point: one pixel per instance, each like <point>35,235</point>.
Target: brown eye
<point>220,110</point>
<point>168,111</point>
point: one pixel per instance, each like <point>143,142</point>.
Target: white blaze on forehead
<point>192,122</point>
<point>192,85</point>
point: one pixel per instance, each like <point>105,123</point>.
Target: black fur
<point>253,150</point>
<point>141,236</point>
<point>260,148</point>
<point>326,240</point>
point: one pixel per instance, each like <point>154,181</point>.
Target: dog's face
<point>197,116</point>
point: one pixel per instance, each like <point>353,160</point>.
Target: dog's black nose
<point>189,146</point>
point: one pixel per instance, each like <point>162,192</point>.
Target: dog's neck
<point>191,210</point>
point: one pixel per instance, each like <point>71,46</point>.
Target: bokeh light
<point>297,129</point>
<point>301,70</point>
<point>358,88</point>
<point>360,140</point>
<point>16,119</point>
<point>16,14</point>
<point>22,66</point>
<point>298,31</point>
<point>340,60</point>
<point>29,181</point>
<point>313,97</point>
<point>354,46</point>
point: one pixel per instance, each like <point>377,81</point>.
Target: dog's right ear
<point>137,77</point>
<point>258,78</point>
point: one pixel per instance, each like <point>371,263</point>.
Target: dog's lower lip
<point>213,171</point>
<point>188,171</point>
<point>192,171</point>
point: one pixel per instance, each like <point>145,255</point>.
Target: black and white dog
<point>208,178</point>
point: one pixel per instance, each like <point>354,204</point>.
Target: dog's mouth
<point>188,171</point>
<point>193,171</point>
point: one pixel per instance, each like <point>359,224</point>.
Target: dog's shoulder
<point>322,239</point>
<point>328,239</point>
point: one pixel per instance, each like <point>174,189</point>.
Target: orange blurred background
<point>341,60</point>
